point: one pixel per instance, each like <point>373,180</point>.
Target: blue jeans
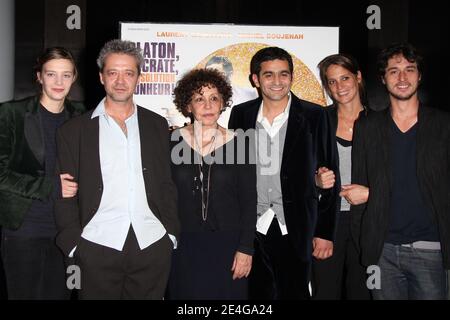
<point>409,273</point>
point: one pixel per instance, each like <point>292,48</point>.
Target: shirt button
<point>271,205</point>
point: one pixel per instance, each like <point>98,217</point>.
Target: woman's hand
<point>325,178</point>
<point>69,187</point>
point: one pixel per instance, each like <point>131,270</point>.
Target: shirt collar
<point>101,111</point>
<point>284,114</point>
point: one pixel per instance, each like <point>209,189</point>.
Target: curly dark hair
<point>408,51</point>
<point>193,82</point>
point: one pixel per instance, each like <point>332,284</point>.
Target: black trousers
<point>277,273</point>
<point>34,269</point>
<point>341,276</point>
<point>128,274</point>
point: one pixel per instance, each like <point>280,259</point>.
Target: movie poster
<point>170,50</point>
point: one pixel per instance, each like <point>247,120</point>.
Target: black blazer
<point>22,155</point>
<point>309,144</point>
<point>370,167</point>
<point>78,154</point>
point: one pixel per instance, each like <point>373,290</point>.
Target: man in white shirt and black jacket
<point>122,224</point>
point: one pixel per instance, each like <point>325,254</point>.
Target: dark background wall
<point>41,23</point>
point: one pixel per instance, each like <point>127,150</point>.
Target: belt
<point>430,245</point>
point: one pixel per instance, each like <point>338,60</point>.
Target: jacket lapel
<point>384,130</point>
<point>147,139</point>
<point>34,134</point>
<point>295,126</point>
<point>92,137</point>
<point>422,130</point>
<point>251,114</point>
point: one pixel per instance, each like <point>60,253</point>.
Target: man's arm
<point>247,198</point>
<point>326,157</point>
<point>169,213</point>
<point>359,176</point>
<point>67,211</point>
<point>355,194</point>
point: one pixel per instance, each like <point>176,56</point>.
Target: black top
<point>232,190</point>
<point>343,142</point>
<point>39,221</point>
<point>410,216</point>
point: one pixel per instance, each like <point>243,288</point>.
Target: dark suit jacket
<point>22,169</point>
<point>309,145</point>
<point>78,153</point>
<point>370,167</point>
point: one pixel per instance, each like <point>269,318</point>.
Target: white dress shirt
<point>263,222</point>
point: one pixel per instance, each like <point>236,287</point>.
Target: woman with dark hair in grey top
<point>342,276</point>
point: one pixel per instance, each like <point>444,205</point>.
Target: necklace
<point>346,122</point>
<point>349,128</point>
<point>205,198</point>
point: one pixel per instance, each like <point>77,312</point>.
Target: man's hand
<point>69,187</point>
<point>325,178</point>
<point>354,193</point>
<point>323,248</point>
<point>242,265</point>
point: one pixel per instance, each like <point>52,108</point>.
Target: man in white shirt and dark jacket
<point>122,224</point>
<point>293,225</point>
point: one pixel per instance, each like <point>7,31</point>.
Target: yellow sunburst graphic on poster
<point>305,84</point>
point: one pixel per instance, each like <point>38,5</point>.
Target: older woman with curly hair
<point>216,195</point>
